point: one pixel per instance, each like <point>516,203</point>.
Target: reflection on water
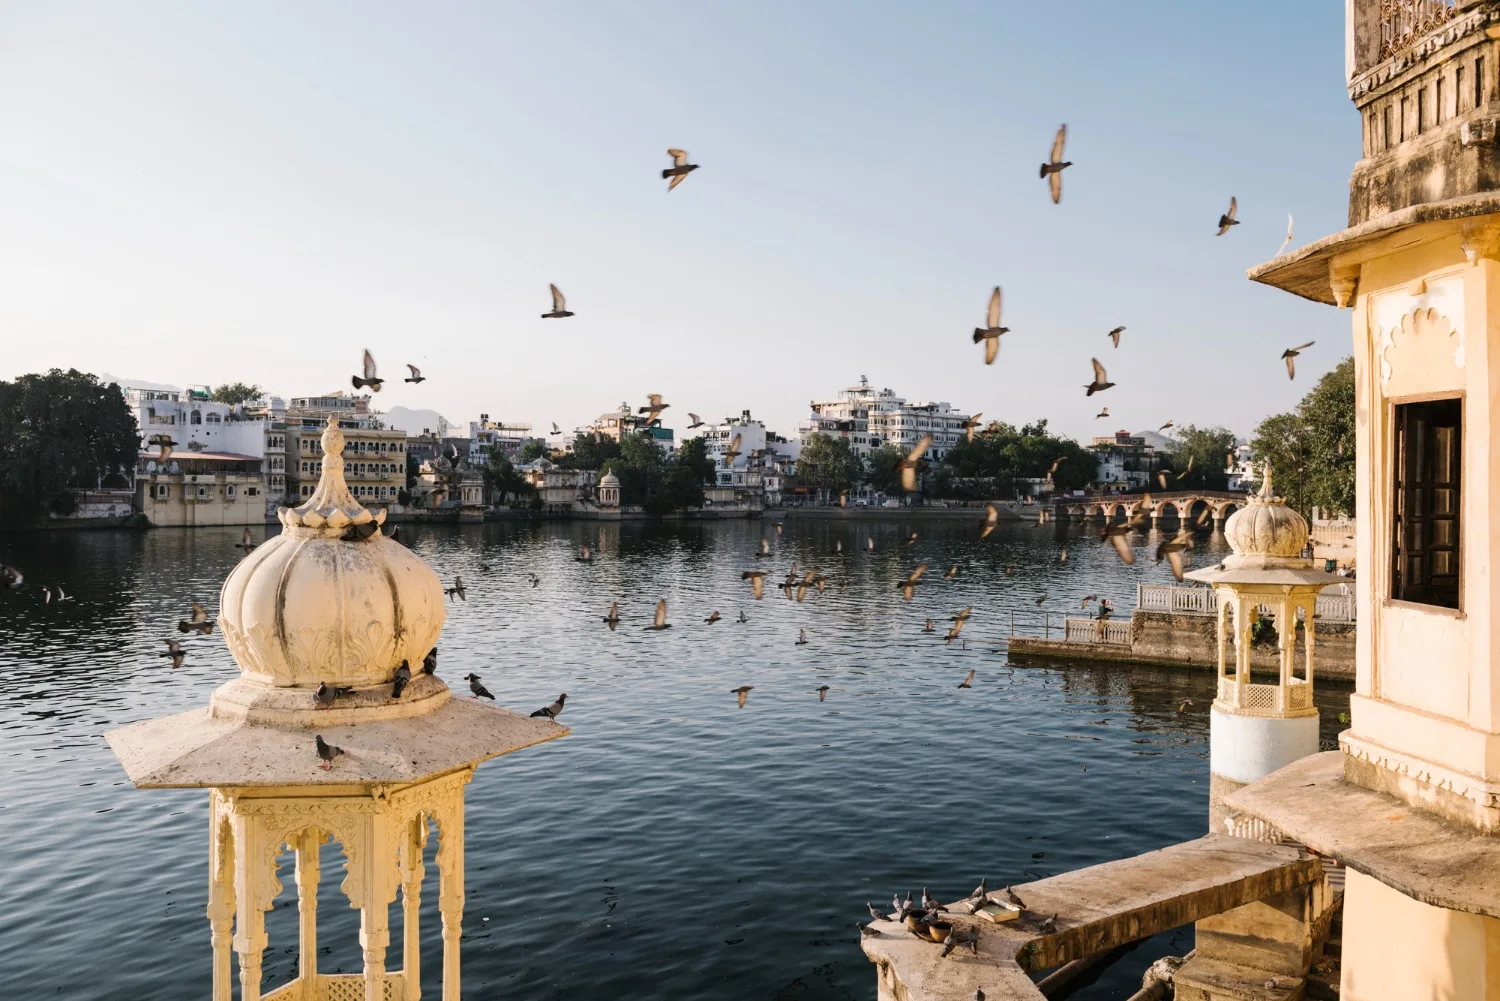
<point>675,846</point>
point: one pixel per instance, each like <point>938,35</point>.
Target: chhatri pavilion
<point>330,601</point>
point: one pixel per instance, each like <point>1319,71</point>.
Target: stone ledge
<point>1413,852</point>
<point>194,750</point>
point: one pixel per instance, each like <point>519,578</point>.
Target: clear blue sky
<point>207,192</point>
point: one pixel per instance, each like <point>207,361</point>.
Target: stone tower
<point>1411,801</point>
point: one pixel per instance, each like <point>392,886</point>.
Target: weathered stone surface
<point>196,749</point>
<point>1096,909</point>
<point>1412,851</point>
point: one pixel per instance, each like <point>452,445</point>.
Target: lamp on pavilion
<point>1257,727</point>
<point>331,601</point>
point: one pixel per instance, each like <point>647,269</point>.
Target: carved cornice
<point>1461,26</point>
<point>1482,794</point>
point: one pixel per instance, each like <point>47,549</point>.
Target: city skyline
<point>191,193</point>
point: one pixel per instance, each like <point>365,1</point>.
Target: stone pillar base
<point>1242,749</point>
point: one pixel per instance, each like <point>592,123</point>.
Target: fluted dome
<point>330,599</point>
<point>609,480</point>
<point>1265,530</point>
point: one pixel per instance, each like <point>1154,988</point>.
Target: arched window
<point>196,418</point>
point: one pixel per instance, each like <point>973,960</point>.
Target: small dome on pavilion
<point>609,480</point>
<point>330,599</point>
<point>1265,528</point>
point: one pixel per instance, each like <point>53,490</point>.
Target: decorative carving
<point>1421,46</point>
<point>1402,21</point>
<point>1420,325</point>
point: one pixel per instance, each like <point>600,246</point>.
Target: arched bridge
<point>1183,506</point>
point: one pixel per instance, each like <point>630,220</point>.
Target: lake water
<point>674,846</point>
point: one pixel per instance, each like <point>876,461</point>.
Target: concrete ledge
<point>1414,852</point>
<point>1093,910</point>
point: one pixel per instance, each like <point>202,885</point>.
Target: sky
<point>203,193</point>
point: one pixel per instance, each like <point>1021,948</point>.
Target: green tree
<point>658,484</point>
<point>693,455</point>
<point>534,449</point>
<point>501,475</point>
<point>1311,449</point>
<point>236,392</point>
<point>882,471</point>
<point>1206,450</point>
<point>989,465</point>
<point>828,464</point>
<point>590,452</point>
<point>60,430</point>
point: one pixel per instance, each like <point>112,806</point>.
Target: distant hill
<point>1158,441</point>
<point>413,421</point>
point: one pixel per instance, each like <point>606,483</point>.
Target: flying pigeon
<point>559,305</point>
<point>416,374</point>
<point>370,379</point>
<point>1055,165</point>
<point>990,333</point>
<point>680,167</point>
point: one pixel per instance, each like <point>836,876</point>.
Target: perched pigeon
<point>555,709</point>
<point>480,692</point>
<point>401,680</point>
<point>429,662</point>
<point>327,694</point>
<point>327,752</point>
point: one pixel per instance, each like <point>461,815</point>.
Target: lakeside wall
<point>1184,640</point>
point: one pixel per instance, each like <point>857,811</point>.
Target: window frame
<point>1388,529</point>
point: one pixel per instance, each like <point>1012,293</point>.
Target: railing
<point>1265,700</point>
<point>1200,601</point>
<point>1170,598</point>
<point>1096,631</point>
<point>1330,533</point>
<point>1401,21</point>
<point>338,987</point>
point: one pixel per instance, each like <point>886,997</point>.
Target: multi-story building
<point>1241,469</point>
<point>485,436</point>
<point>868,418</point>
<point>345,406</point>
<point>623,421</point>
<point>374,460</point>
<point>1125,461</point>
<point>718,439</point>
<point>196,423</point>
<point>200,488</point>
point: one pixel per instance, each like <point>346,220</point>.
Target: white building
<point>486,435</point>
<point>1241,471</point>
<point>195,423</point>
<point>718,438</point>
<point>869,417</point>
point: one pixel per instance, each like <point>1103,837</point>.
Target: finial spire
<point>1265,482</point>
<point>331,504</point>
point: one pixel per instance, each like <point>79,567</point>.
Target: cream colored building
<point>200,488</point>
<point>374,460</point>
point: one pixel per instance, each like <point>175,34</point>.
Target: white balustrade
<point>1096,631</point>
<point>1200,601</point>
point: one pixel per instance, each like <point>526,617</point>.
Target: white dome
<point>1266,527</point>
<point>609,480</point>
<point>330,598</point>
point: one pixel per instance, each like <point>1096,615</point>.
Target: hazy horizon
<point>206,195</point>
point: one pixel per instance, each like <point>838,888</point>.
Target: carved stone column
<point>412,872</point>
<point>378,864</point>
<point>450,860</point>
<point>308,873</point>
<point>221,897</point>
<point>254,873</point>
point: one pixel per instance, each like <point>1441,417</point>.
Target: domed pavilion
<point>330,602</point>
